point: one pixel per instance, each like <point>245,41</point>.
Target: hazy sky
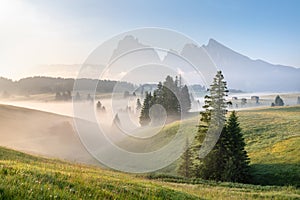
<point>37,32</point>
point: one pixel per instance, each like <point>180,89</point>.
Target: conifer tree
<point>185,168</point>
<point>228,160</point>
<point>185,100</point>
<point>214,117</point>
<point>237,161</point>
<point>144,117</point>
<point>279,101</point>
<point>138,104</point>
<point>169,98</point>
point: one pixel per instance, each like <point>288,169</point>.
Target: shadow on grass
<point>276,174</point>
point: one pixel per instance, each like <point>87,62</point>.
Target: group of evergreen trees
<point>100,107</point>
<point>228,160</point>
<point>65,96</point>
<point>278,101</point>
<point>171,95</point>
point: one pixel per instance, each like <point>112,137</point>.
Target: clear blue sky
<point>65,32</point>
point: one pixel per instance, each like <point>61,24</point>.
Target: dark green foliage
<point>169,98</point>
<point>185,169</point>
<point>41,85</point>
<point>144,117</point>
<point>237,161</point>
<point>169,95</point>
<point>228,160</point>
<point>218,91</point>
<point>214,117</point>
<point>212,166</point>
<point>185,100</point>
<point>279,101</point>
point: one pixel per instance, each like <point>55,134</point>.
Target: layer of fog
<point>57,136</point>
<point>120,105</point>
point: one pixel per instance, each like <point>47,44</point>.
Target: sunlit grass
<point>273,144</point>
<point>27,177</point>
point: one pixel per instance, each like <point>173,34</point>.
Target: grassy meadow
<point>272,136</point>
<point>24,176</point>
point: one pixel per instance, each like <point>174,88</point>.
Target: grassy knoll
<point>24,176</point>
<point>272,138</point>
<point>273,141</point>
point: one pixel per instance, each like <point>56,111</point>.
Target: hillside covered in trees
<point>40,85</point>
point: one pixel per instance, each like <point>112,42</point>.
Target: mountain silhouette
<point>240,71</point>
<point>252,75</point>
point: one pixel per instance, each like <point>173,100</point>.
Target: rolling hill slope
<point>24,176</point>
<point>271,134</point>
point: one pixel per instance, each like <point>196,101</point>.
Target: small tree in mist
<point>138,104</point>
<point>144,117</point>
<point>169,98</point>
<point>169,95</point>
<point>185,100</point>
<point>279,101</point>
<point>99,105</point>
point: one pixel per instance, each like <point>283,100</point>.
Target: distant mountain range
<point>240,71</point>
<point>252,75</point>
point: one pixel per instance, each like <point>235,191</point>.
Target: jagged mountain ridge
<point>241,72</point>
<point>252,75</point>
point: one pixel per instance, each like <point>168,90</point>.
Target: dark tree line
<point>228,160</point>
<point>40,85</point>
<point>171,95</point>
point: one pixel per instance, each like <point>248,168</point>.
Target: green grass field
<point>272,137</point>
<point>24,176</point>
<point>273,143</point>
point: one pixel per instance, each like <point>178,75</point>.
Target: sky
<point>35,33</point>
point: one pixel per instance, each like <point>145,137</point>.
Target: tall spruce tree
<point>237,160</point>
<point>185,168</point>
<point>228,160</point>
<point>210,167</point>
